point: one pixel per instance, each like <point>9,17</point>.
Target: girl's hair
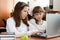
<point>37,9</point>
<point>17,14</point>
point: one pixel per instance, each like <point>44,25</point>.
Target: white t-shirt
<point>21,30</point>
<point>41,28</point>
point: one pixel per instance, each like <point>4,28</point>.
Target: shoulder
<point>32,21</point>
<point>10,20</point>
<point>44,22</point>
<point>30,24</point>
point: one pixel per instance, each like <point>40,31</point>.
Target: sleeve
<point>32,29</point>
<point>10,27</point>
<point>43,28</point>
<point>32,21</point>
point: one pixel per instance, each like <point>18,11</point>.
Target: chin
<point>23,18</point>
<point>39,19</point>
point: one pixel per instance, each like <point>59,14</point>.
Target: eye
<point>40,13</point>
<point>36,14</point>
<point>25,11</point>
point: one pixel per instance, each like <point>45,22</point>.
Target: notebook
<point>7,36</point>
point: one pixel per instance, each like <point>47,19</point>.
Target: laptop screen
<point>53,25</point>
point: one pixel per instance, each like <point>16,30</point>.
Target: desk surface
<point>33,38</point>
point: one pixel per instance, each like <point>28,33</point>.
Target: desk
<point>56,38</point>
<point>33,38</point>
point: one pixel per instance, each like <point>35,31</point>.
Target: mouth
<point>39,18</point>
<point>24,17</point>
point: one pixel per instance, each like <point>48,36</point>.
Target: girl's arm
<point>10,27</point>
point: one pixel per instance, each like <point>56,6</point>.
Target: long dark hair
<point>17,14</point>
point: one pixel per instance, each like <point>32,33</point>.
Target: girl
<point>38,22</point>
<point>18,23</point>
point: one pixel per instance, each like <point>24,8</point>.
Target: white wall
<point>33,3</point>
<point>42,3</point>
<point>56,5</point>
<point>15,1</point>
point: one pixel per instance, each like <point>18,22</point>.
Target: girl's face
<point>24,12</point>
<point>38,16</point>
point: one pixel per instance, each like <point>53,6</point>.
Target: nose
<point>39,15</point>
<point>26,13</point>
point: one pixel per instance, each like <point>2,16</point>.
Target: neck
<point>39,22</point>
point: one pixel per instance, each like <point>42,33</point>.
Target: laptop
<point>53,25</point>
